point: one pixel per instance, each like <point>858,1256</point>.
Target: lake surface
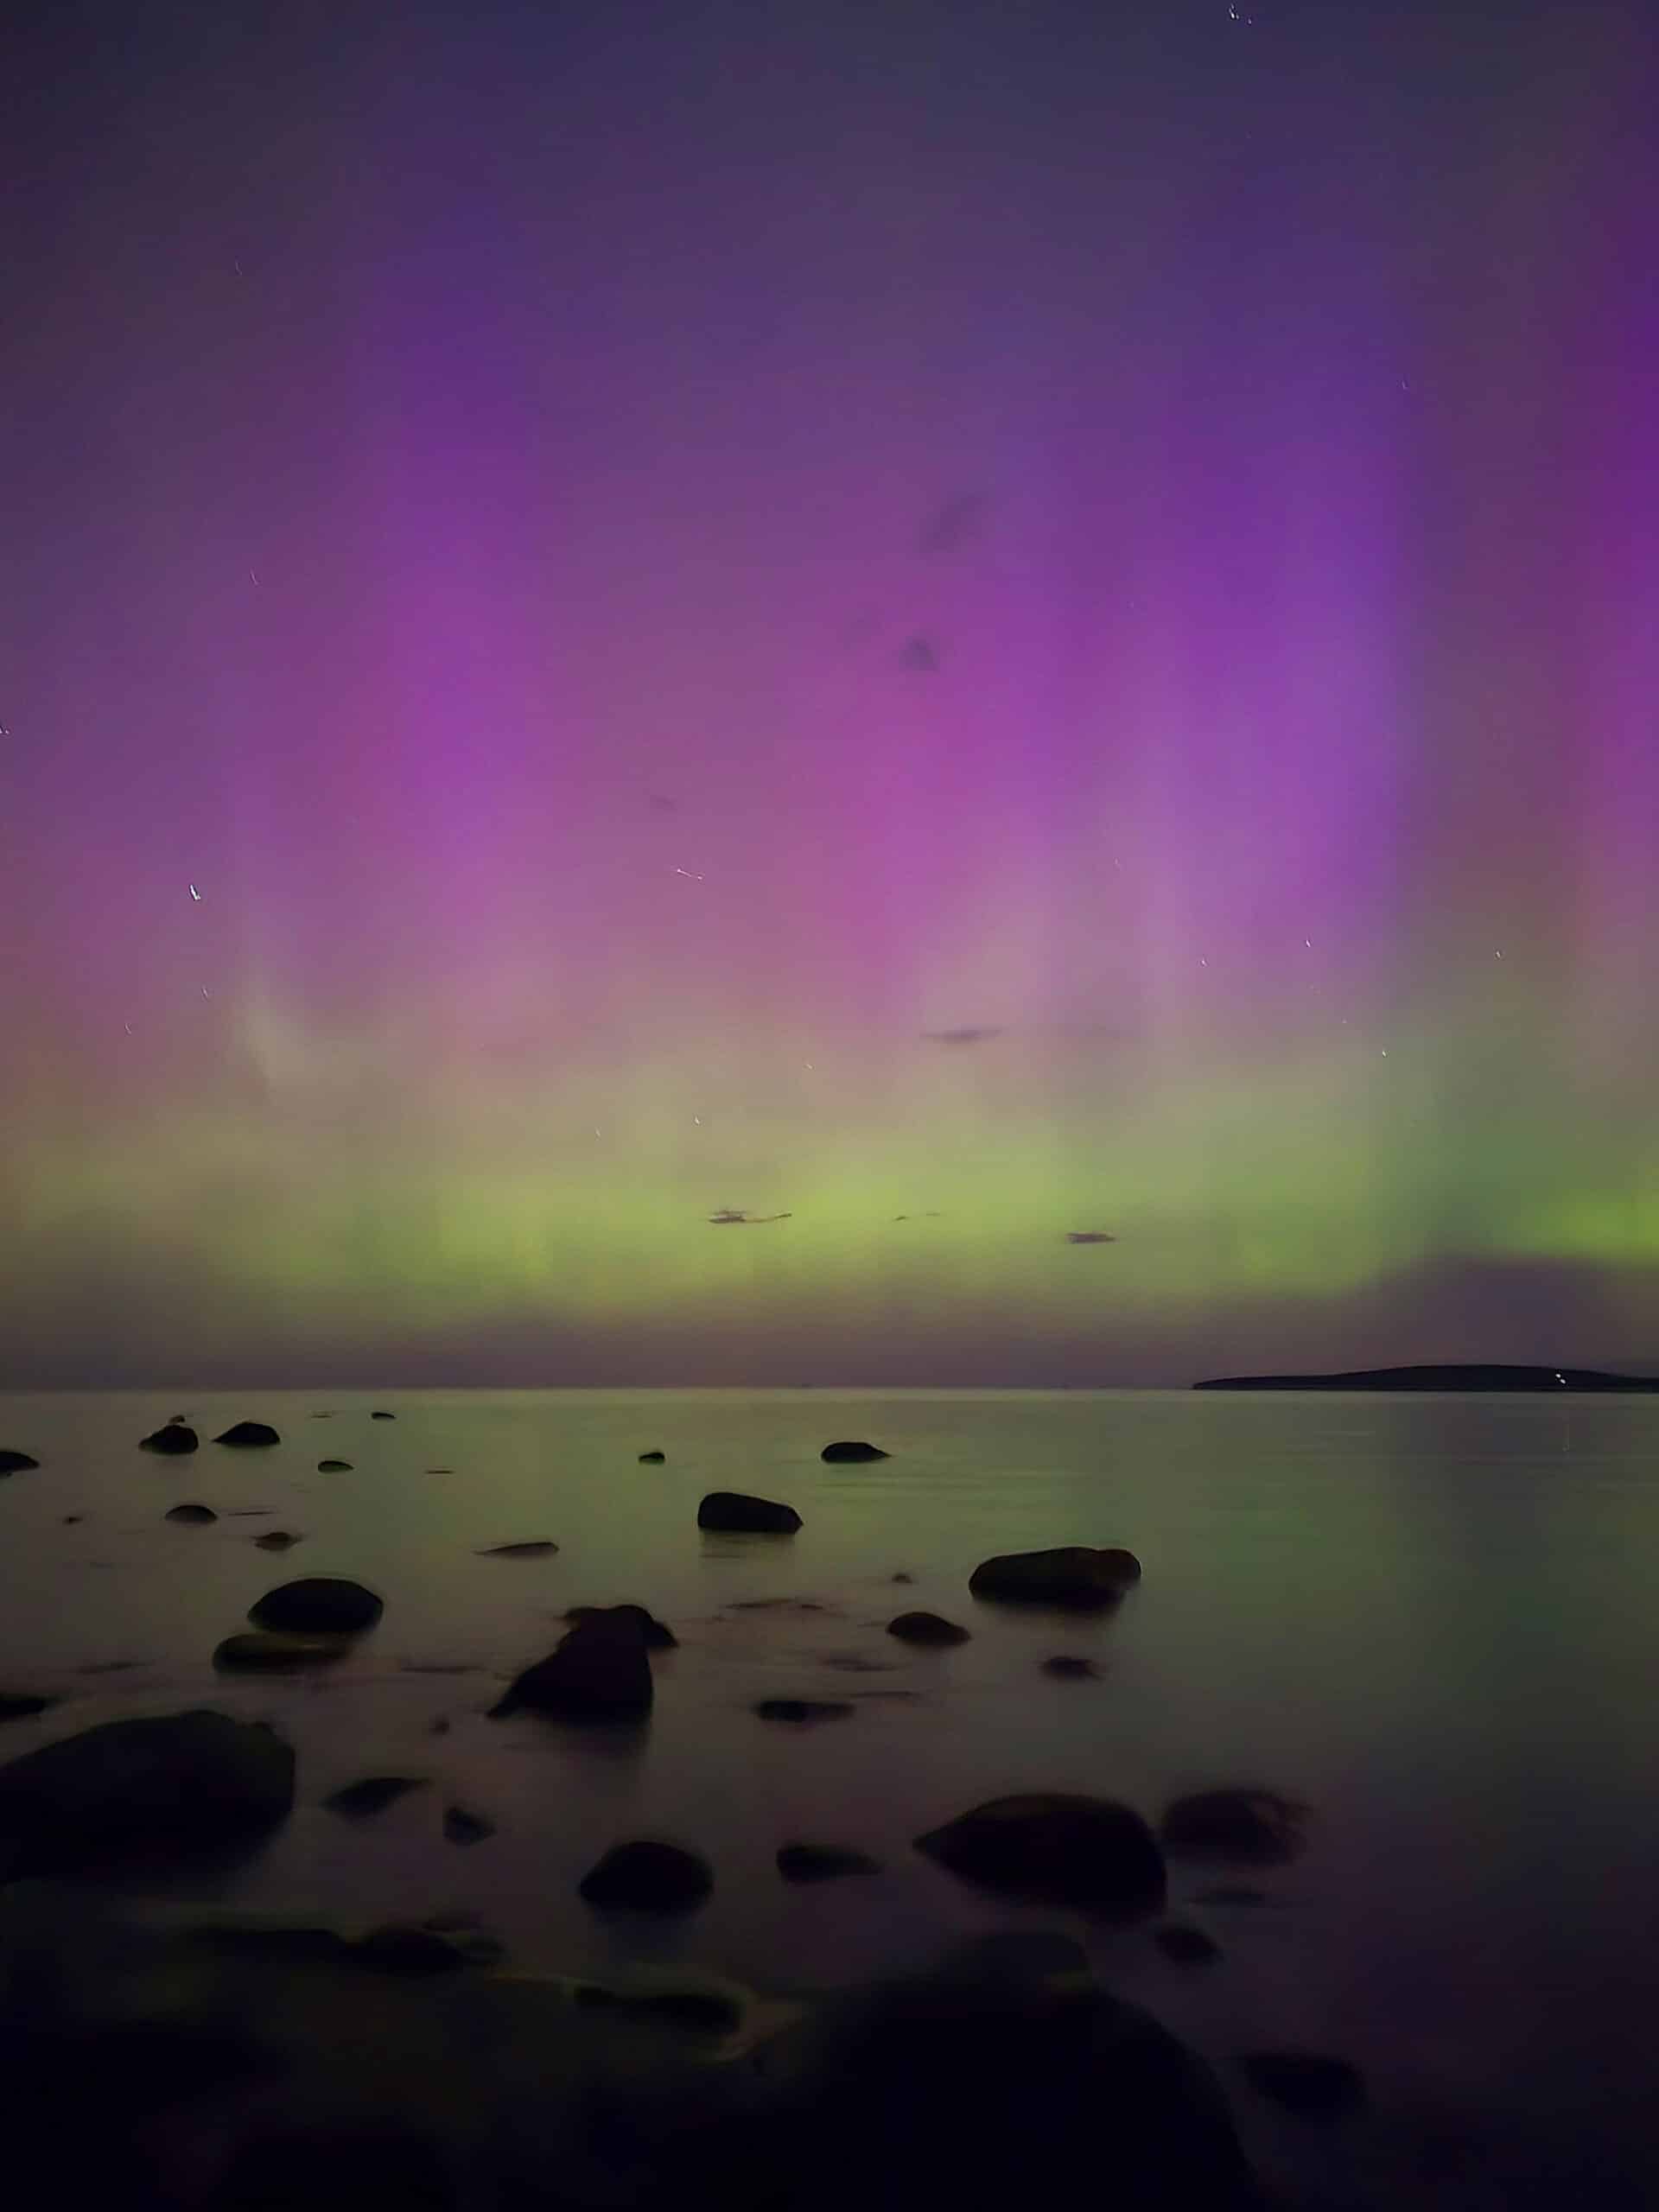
<point>1431,1618</point>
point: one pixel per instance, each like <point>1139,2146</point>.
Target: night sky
<point>617,621</point>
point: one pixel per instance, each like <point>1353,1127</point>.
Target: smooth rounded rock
<point>333,1466</point>
<point>1072,1576</point>
<point>926,1629</point>
<point>1310,2085</point>
<point>172,1442</point>
<point>248,1433</point>
<point>600,1671</point>
<point>802,1711</point>
<point>735,1510</point>
<point>195,1515</point>
<point>1090,1852</point>
<point>534,1547</point>
<point>383,1416</point>
<point>176,1782</point>
<point>648,1877</point>
<point>273,1651</point>
<point>20,1704</point>
<point>15,1463</point>
<point>652,1458</point>
<point>852,1450</point>
<point>278,1540</point>
<point>1255,1827</point>
<point>318,1604</point>
<point>658,1635</point>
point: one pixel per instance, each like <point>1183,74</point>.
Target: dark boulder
<point>732,1509</point>
<point>1087,1852</point>
<point>823,1862</point>
<point>19,1705</point>
<point>926,1627</point>
<point>360,1801</point>
<point>461,1826</point>
<point>599,1672</point>
<point>333,1466</point>
<point>196,1516</point>
<point>652,1458</point>
<point>173,1441</point>
<point>318,1604</point>
<point>1187,1946</point>
<point>657,1634</point>
<point>278,1540</point>
<point>1255,1827</point>
<point>1313,2088</point>
<point>534,1547</point>
<point>648,1877</point>
<point>383,1416</point>
<point>15,1463</point>
<point>853,1450</point>
<point>248,1432</point>
<point>273,1651</point>
<point>902,1577</point>
<point>1067,1667</point>
<point>183,1781</point>
<point>1072,1576</point>
<point>803,1710</point>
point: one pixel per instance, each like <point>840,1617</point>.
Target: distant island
<point>1554,1379</point>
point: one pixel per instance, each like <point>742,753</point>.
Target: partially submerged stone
<point>269,1652</point>
<point>248,1432</point>
<point>278,1540</point>
<point>852,1450</point>
<point>803,1710</point>
<point>658,1635</point>
<point>648,1877</point>
<point>1088,1851</point>
<point>739,1512</point>
<point>333,1466</point>
<point>1073,1576</point>
<point>21,1705</point>
<point>464,1827</point>
<point>192,1516</point>
<point>172,1441</point>
<point>1068,1667</point>
<point>652,1458</point>
<point>318,1604</point>
<point>600,1671</point>
<point>15,1463</point>
<point>926,1629</point>
<point>1255,1827</point>
<point>536,1547</point>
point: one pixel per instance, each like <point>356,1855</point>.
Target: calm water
<point>1431,1617</point>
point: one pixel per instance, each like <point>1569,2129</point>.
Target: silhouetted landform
<point>1455,1377</point>
<point>173,1440</point>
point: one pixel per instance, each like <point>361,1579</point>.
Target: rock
<point>70,1519</point>
<point>732,1509</point>
<point>197,1515</point>
<point>1187,1946</point>
<point>926,1627</point>
<point>248,1432</point>
<point>273,1651</point>
<point>278,1540</point>
<point>461,1826</point>
<point>333,1466</point>
<point>399,1949</point>
<point>380,1416</point>
<point>658,1635</point>
<point>705,2011</point>
<point>652,1458</point>
<point>172,1440</point>
<point>845,1451</point>
<point>823,1862</point>
<point>1256,1825</point>
<point>14,1463</point>
<point>803,1708</point>
<point>648,1877</point>
<point>1066,1667</point>
<point>359,1801</point>
<point>537,1547</point>
<point>599,1672</point>
<point>1087,1852</point>
<point>181,1781</point>
<point>903,1578</point>
<point>1311,2087</point>
<point>18,1705</point>
<point>1072,1576</point>
<point>318,1604</point>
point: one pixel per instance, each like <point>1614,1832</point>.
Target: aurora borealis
<point>1041,620</point>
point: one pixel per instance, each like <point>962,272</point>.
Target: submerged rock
<point>15,1463</point>
<point>1254,1826</point>
<point>278,1540</point>
<point>903,1578</point>
<point>333,1466</point>
<point>248,1432</point>
<point>19,1705</point>
<point>360,1801</point>
<point>1087,1852</point>
<point>703,2010</point>
<point>658,1635</point>
<point>823,1862</point>
<point>1187,1946</point>
<point>1313,2086</point>
<point>324,1604</point>
<point>197,1515</point>
<point>253,1650</point>
<point>461,1826</point>
<point>599,1672</point>
<point>735,1511</point>
<point>1072,1575</point>
<point>1067,1667</point>
<point>648,1877</point>
<point>852,1450</point>
<point>383,1416</point>
<point>802,1709</point>
<point>173,1441</point>
<point>926,1627</point>
<point>181,1781</point>
<point>537,1547</point>
<point>652,1458</point>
